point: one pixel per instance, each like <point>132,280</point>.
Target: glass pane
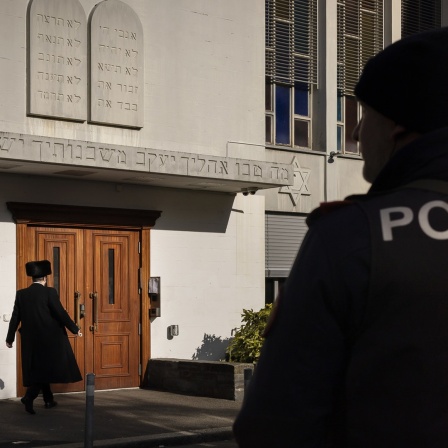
<point>56,269</point>
<point>341,76</point>
<point>268,94</point>
<point>340,130</point>
<point>301,99</point>
<point>282,115</point>
<point>268,129</point>
<point>340,102</point>
<point>301,133</point>
<point>111,277</point>
<point>351,120</point>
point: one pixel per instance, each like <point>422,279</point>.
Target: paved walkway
<point>122,418</point>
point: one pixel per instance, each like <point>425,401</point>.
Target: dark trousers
<point>33,391</point>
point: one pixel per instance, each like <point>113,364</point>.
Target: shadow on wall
<point>196,212</point>
<point>2,384</point>
<point>182,210</point>
<point>213,348</point>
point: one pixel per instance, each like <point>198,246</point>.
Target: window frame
<point>366,33</point>
<point>285,64</point>
<point>293,117</point>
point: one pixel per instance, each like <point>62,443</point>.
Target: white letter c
<point>424,221</point>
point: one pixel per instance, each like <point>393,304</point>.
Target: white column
<point>326,98</point>
<point>444,12</point>
<point>392,21</point>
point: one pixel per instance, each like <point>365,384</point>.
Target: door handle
<point>77,308</point>
<point>94,297</point>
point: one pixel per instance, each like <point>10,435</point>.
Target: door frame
<point>56,215</point>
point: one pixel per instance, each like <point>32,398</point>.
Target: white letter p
<point>387,224</point>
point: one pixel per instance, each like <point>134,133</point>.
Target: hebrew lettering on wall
<point>116,65</point>
<point>57,59</point>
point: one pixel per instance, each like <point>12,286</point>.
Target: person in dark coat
<point>47,356</point>
<point>356,353</point>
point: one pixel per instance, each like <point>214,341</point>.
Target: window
<point>291,70</point>
<point>111,259</point>
<point>57,269</point>
<point>272,288</point>
<point>360,36</point>
<point>420,15</point>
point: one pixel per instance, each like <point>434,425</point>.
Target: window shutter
<point>360,36</point>
<point>284,234</point>
<point>419,15</point>
<point>291,41</point>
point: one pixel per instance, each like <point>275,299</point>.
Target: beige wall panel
<point>203,80</point>
<point>347,178</point>
<point>57,59</point>
<point>344,178</point>
<point>308,189</point>
<point>117,61</point>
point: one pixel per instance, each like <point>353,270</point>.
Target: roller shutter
<point>291,41</point>
<point>284,235</point>
<point>419,15</point>
<point>360,36</point>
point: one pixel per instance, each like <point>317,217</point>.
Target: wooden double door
<point>95,272</point>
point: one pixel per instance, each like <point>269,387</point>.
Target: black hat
<point>38,268</point>
<point>408,81</point>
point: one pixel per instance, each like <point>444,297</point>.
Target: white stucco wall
<point>7,294</point>
<point>207,279</point>
<point>208,249</point>
<point>203,82</point>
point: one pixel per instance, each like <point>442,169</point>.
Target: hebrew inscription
<point>137,161</point>
<point>116,65</point>
<point>57,59</point>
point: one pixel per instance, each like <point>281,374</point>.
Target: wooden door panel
<point>104,262</point>
<point>62,248</point>
<point>113,274</point>
<point>115,281</point>
<point>113,354</point>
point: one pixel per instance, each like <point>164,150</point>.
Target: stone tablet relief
<point>57,59</point>
<point>116,52</point>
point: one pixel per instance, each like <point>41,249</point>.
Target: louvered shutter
<point>283,235</point>
<point>360,36</point>
<point>420,15</point>
<point>291,41</point>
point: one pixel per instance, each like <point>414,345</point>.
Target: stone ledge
<point>214,379</point>
<point>134,164</point>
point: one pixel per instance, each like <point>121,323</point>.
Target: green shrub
<point>247,342</point>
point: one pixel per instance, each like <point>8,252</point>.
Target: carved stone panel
<point>138,161</point>
<point>116,65</point>
<point>57,59</point>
